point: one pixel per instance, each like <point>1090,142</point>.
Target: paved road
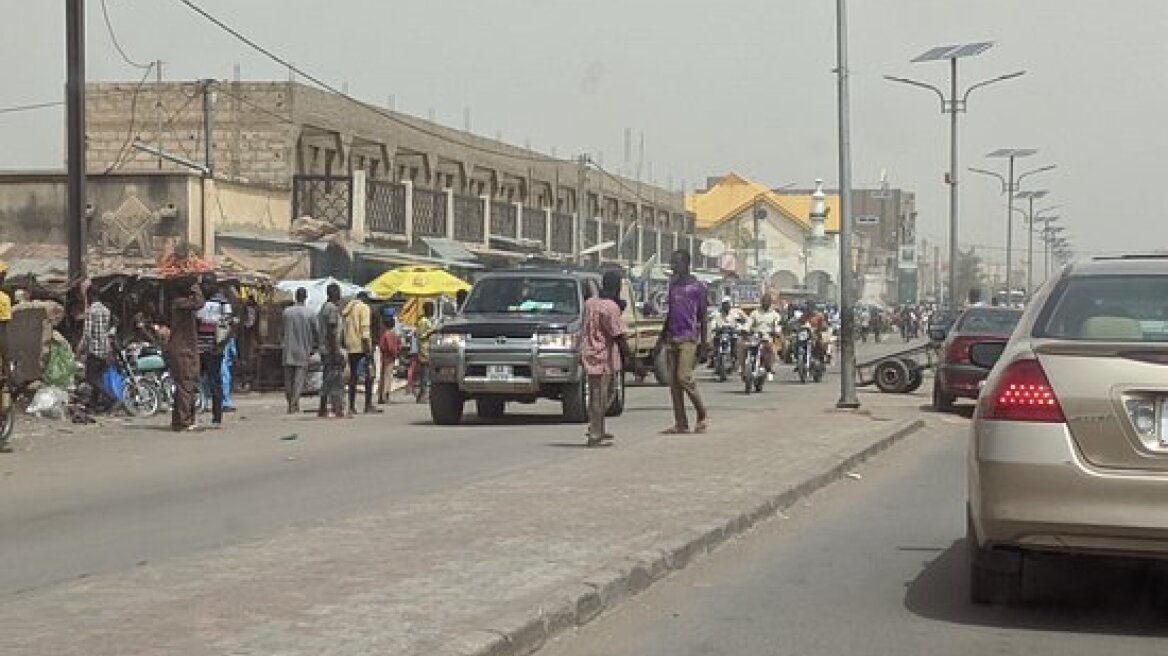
<point>109,499</point>
<point>875,567</point>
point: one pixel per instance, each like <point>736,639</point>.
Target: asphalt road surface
<point>876,566</point>
<point>112,498</point>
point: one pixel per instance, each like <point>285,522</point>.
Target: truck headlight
<point>558,340</point>
<point>451,340</point>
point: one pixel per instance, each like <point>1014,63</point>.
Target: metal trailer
<point>900,372</point>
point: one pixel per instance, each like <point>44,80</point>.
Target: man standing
<point>602,344</point>
<point>300,337</point>
<point>332,355</point>
<point>424,329</point>
<point>215,321</point>
<point>98,353</point>
<point>685,336</point>
<point>185,299</point>
<point>357,337</point>
<point>390,346</point>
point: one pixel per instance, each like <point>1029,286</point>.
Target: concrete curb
<point>525,633</point>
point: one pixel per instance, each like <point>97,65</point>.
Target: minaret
<point>818,211</point>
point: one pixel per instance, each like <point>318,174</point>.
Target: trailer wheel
<point>892,376</point>
<point>916,376</point>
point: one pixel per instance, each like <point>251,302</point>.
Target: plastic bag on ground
<point>49,402</point>
<point>60,368</point>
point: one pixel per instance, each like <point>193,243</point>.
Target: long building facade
<point>384,177</point>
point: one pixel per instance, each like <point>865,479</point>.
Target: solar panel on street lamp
<point>953,105</point>
<point>1011,154</point>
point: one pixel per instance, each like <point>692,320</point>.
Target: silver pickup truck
<point>516,340</point>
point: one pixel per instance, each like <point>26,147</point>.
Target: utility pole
<point>848,398</point>
<point>208,126</point>
<point>75,140</point>
<point>759,213</point>
<point>581,203</point>
<point>158,106</point>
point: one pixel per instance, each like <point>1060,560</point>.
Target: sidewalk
<point>490,568</point>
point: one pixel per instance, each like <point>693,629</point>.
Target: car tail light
<point>1023,393</point>
<point>958,352</point>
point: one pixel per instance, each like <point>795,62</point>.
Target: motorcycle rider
<point>768,322</point>
<point>818,324</point>
<point>727,316</point>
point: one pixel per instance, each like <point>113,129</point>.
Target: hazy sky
<point>741,85</point>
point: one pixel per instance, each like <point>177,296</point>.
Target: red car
<point>956,375</point>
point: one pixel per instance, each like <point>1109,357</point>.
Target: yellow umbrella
<point>417,281</point>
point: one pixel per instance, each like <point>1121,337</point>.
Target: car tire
<point>490,408</point>
<point>892,376</point>
<point>617,407</point>
<point>942,402</point>
<point>575,402</point>
<point>446,404</point>
<point>995,577</point>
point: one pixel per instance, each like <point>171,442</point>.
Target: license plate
<point>498,372</point>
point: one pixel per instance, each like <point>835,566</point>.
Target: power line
<point>114,38</point>
<point>373,108</point>
<point>30,107</point>
<point>119,160</point>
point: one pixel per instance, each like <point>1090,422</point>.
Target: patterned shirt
<point>603,324</point>
<point>97,329</point>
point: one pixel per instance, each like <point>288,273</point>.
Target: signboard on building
<point>867,220</point>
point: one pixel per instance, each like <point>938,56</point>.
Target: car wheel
<point>575,402</point>
<point>617,407</point>
<point>490,408</point>
<point>942,402</point>
<point>995,577</point>
<point>446,404</point>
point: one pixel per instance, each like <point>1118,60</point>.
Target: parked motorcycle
<point>725,354</point>
<point>807,361</point>
<point>148,360</point>
<point>142,396</point>
<point>754,374</point>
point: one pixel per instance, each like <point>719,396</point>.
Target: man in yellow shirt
<point>424,330</point>
<point>357,338</point>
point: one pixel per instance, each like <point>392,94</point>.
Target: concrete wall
<point>251,209</point>
<point>32,205</point>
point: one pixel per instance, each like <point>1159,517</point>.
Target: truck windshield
<point>524,296</point>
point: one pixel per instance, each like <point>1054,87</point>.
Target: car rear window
<point>1108,308</point>
<point>988,321</point>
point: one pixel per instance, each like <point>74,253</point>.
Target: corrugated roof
<point>733,195</point>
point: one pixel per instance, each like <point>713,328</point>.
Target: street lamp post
<point>1030,196</point>
<point>1010,186</point>
<point>952,106</point>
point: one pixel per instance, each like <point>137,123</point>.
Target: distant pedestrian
<point>603,344</point>
<point>98,353</point>
<point>685,336</point>
<point>425,329</point>
<point>214,330</point>
<point>390,347</point>
<point>357,337</point>
<point>300,338</point>
<point>332,355</point>
<point>184,299</point>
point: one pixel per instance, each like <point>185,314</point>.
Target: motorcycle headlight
<point>558,340</point>
<point>451,340</point>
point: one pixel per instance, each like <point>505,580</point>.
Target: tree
<point>969,275</point>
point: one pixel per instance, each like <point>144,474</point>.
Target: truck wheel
<point>490,408</point>
<point>446,404</point>
<point>575,402</point>
<point>661,369</point>
<point>617,407</point>
<point>916,375</point>
<point>891,376</point>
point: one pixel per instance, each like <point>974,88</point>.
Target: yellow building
<point>796,249</point>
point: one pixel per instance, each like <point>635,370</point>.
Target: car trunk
<point>1102,388</point>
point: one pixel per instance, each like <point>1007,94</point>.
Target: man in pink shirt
<point>602,343</point>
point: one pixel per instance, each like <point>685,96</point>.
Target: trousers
<point>682,358</point>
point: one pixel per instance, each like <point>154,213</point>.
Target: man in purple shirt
<point>685,337</point>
